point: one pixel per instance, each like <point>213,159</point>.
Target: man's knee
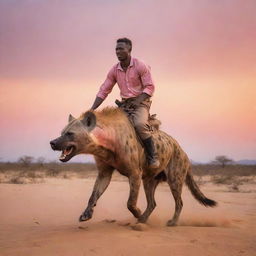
<point>140,126</point>
<point>143,130</point>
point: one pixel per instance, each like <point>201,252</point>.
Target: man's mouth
<point>66,153</point>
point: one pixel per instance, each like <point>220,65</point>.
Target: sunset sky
<point>54,55</point>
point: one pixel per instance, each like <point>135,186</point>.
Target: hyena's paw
<point>86,215</point>
<point>136,212</point>
<point>171,223</point>
<point>142,219</point>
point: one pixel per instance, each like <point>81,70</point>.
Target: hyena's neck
<point>104,137</point>
<point>102,153</point>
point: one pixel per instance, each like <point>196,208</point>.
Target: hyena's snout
<point>67,148</point>
<point>53,144</point>
<point>56,144</point>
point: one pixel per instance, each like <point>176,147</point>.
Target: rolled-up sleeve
<point>108,84</point>
<point>146,79</point>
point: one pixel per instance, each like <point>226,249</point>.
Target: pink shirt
<point>136,80</point>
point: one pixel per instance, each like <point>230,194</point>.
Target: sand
<point>42,219</point>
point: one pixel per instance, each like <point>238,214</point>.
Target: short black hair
<point>125,40</point>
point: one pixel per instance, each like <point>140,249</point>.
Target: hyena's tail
<point>199,196</point>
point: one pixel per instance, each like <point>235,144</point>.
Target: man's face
<point>122,51</point>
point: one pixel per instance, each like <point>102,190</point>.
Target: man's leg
<point>140,120</point>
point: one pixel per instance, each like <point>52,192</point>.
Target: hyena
<point>110,137</point>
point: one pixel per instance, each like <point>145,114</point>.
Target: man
<point>136,87</point>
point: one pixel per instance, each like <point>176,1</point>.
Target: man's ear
<point>70,118</point>
<point>89,120</point>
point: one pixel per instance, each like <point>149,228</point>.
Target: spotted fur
<point>113,142</point>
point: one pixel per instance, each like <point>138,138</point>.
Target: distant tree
<point>222,160</point>
<point>26,160</point>
<point>40,160</point>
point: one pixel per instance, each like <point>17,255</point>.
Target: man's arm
<point>97,103</point>
<point>146,79</point>
<point>105,89</point>
<point>147,82</point>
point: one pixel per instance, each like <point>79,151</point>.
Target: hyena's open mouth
<point>67,153</point>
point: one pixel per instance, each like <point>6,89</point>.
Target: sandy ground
<point>42,219</point>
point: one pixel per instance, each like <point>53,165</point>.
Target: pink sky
<point>55,54</point>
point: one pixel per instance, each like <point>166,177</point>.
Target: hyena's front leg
<point>102,182</point>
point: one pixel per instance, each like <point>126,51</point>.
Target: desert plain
<point>39,216</point>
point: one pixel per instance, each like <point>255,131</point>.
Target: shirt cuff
<point>148,91</point>
<point>102,95</point>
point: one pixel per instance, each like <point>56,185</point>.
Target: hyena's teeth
<point>62,157</point>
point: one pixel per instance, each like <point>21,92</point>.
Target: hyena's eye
<point>69,134</point>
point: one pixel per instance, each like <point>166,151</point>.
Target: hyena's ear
<point>70,118</point>
<point>89,120</point>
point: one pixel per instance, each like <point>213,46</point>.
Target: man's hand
<point>96,103</point>
<point>139,99</point>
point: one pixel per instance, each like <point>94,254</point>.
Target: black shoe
<point>153,161</point>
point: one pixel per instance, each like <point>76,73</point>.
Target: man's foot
<point>152,159</point>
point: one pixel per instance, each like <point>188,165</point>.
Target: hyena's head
<point>75,137</point>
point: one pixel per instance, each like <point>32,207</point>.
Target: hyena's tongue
<point>66,152</point>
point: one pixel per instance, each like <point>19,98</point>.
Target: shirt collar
<point>130,65</point>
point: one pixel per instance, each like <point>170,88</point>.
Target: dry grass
<point>232,178</point>
<point>16,173</point>
<point>21,177</point>
<point>233,183</point>
<point>229,170</point>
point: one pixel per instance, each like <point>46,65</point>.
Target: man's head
<point>123,48</point>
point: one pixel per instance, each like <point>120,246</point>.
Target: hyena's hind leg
<point>176,174</point>
<point>150,184</point>
<point>134,182</point>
